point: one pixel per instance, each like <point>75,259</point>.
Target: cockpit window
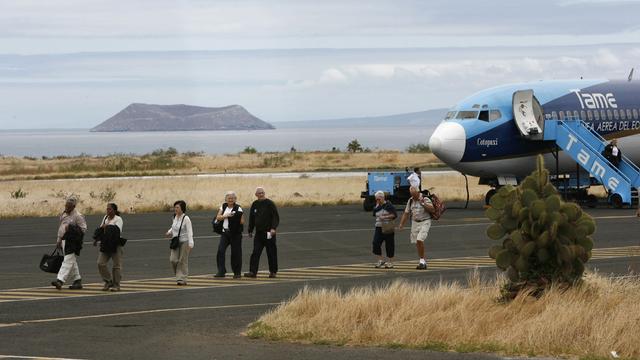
<point>467,115</point>
<point>494,115</point>
<point>484,115</point>
<point>450,115</point>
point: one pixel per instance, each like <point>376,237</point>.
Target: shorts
<point>420,230</point>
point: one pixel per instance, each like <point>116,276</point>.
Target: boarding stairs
<point>583,144</point>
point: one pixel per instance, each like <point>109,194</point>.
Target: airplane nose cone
<point>448,142</point>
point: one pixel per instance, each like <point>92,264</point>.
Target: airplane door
<point>527,114</point>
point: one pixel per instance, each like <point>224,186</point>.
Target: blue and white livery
<point>496,133</point>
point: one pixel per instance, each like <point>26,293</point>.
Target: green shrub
<point>249,150</point>
<point>418,148</point>
<point>107,195</point>
<point>354,146</point>
<point>19,194</point>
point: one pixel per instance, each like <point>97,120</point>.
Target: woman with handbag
<point>111,247</point>
<point>385,214</point>
<point>231,216</point>
<point>181,234</point>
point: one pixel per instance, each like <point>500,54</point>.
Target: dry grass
<point>589,321</point>
<point>46,197</point>
<point>12,168</point>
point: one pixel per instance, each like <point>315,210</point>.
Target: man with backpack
<point>420,208</point>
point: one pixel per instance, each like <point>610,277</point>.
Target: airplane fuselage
<point>479,136</point>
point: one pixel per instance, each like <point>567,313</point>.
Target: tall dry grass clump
<point>590,320</point>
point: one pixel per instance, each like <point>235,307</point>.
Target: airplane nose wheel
<point>489,195</point>
<point>616,201</point>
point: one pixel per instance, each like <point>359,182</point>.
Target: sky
<point>75,63</point>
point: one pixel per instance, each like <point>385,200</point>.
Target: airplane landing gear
<point>489,195</point>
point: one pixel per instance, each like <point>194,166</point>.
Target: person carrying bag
<point>181,242</point>
<point>385,214</point>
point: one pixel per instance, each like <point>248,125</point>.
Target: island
<point>150,117</point>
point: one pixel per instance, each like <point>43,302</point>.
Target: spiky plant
<point>541,239</point>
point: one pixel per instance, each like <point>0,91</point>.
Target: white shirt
<point>117,221</point>
<point>614,151</point>
<point>227,211</point>
<point>414,180</point>
<point>187,231</point>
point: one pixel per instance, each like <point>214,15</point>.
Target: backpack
<point>438,205</point>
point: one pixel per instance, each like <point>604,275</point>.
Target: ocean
<point>38,143</point>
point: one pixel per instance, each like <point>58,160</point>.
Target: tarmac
<point>152,318</point>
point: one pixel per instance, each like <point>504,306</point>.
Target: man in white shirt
<point>69,220</point>
<point>419,208</point>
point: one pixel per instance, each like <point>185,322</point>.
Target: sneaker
<point>219,275</point>
<point>107,285</point>
<point>388,265</point>
<point>422,266</point>
<point>77,285</point>
<point>272,275</point>
<point>379,265</point>
<point>57,283</point>
<point>115,288</point>
<point>250,274</point>
<point>237,276</point>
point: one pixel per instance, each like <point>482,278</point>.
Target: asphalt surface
<point>207,323</point>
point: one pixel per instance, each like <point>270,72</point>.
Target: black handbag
<point>217,226</point>
<point>51,263</point>
<point>175,241</point>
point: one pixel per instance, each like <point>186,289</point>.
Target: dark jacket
<point>608,154</point>
<point>388,206</point>
<point>234,222</point>
<point>109,238</point>
<point>73,240</point>
<point>263,216</point>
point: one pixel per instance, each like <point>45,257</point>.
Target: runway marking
<point>9,247</point>
<point>205,281</point>
<point>141,312</point>
<point>33,357</point>
<point>435,225</point>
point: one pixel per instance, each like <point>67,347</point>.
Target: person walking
<point>111,248</point>
<point>264,219</point>
<point>232,217</point>
<point>385,213</point>
<point>612,153</point>
<point>182,229</point>
<point>419,208</point>
<point>70,234</point>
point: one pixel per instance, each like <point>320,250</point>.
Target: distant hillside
<point>428,118</point>
<point>148,117</point>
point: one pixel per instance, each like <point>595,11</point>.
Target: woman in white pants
<point>181,227</point>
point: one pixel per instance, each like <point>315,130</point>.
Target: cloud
<point>606,58</point>
<point>228,24</point>
<point>333,76</point>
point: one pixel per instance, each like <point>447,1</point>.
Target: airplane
<point>497,133</point>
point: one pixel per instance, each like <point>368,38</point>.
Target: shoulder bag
<point>175,241</point>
